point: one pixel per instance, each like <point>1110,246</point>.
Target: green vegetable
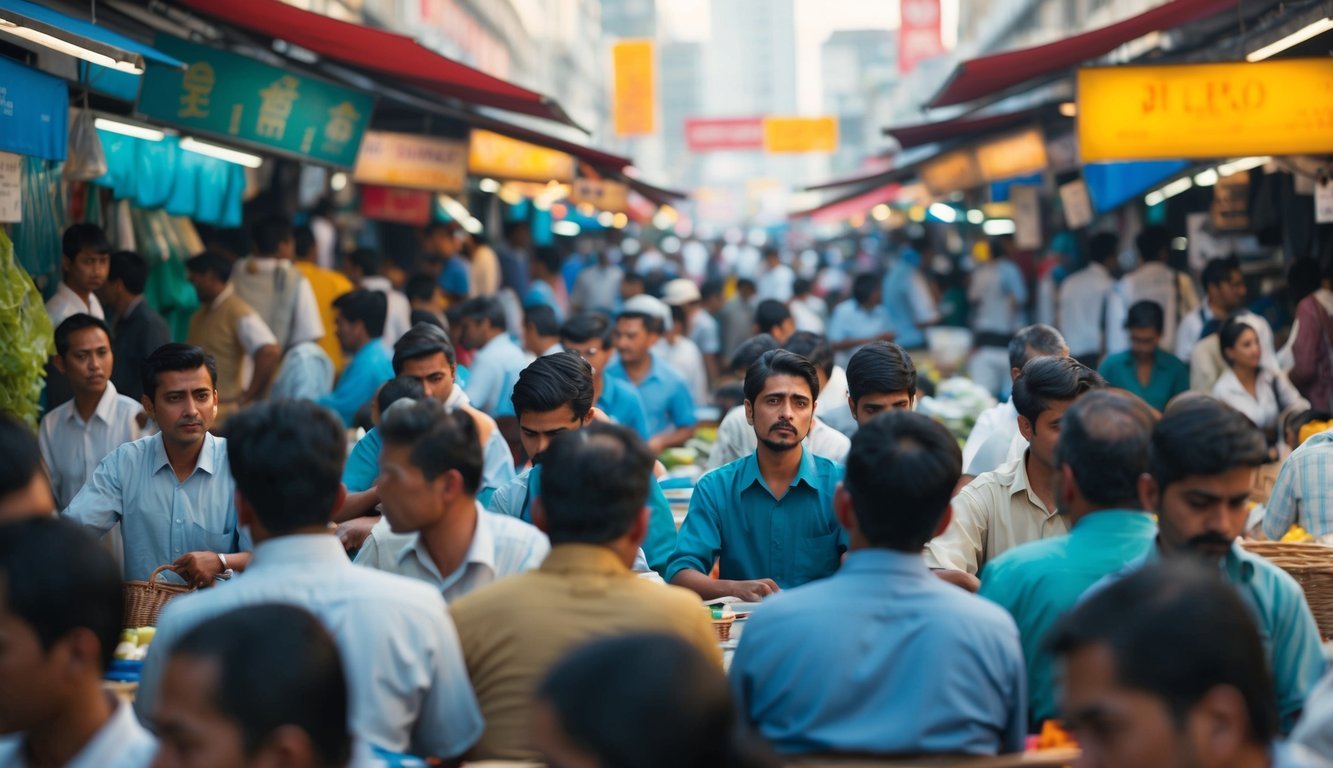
<point>27,337</point>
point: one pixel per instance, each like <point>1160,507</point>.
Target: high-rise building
<point>680,82</point>
<point>858,69</point>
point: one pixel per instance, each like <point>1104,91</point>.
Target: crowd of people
<point>418,507</point>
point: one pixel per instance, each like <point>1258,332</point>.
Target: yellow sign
<point>951,172</point>
<point>413,162</point>
<point>800,134</point>
<point>1017,154</point>
<point>490,154</point>
<point>1206,110</point>
<point>634,95</point>
<point>603,195</point>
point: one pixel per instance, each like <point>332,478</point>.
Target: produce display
<point>134,642</point>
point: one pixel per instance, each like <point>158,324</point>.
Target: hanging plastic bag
<point>86,159</point>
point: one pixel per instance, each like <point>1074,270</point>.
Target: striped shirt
<point>1303,493</point>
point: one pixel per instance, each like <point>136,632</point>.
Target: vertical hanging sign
<point>634,96</point>
<point>918,33</point>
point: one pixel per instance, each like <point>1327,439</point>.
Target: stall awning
<point>603,161</point>
<point>378,51</point>
<point>850,205</point>
<point>997,72</point>
<point>909,136</point>
<point>659,195</point>
<point>84,34</point>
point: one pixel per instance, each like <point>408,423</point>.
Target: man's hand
<point>958,578</point>
<point>354,533</point>
<point>199,569</point>
<point>753,591</point>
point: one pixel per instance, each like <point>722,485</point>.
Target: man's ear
<point>245,512</point>
<point>1217,726</point>
<point>749,412</point>
<point>943,524</point>
<point>82,653</point>
<point>1150,494</point>
<point>638,530</point>
<point>1025,428</point>
<point>59,363</point>
<point>1068,485</point>
<point>539,514</point>
<point>147,404</point>
<point>842,507</point>
<point>588,417</point>
<point>286,745</point>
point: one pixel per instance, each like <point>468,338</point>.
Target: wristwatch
<point>227,572</point>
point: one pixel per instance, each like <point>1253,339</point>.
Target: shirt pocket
<point>204,539</point>
<point>816,557</point>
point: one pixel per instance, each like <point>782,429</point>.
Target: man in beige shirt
<point>593,508</point>
<point>1015,503</point>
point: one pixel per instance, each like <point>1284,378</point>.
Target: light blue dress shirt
<point>621,401</point>
<point>735,518</point>
<point>851,321</point>
<point>515,500</point>
<point>666,397</point>
<point>497,358</point>
<point>907,298</point>
<point>1038,581</point>
<point>1303,492</point>
<point>365,372</point>
<point>882,657</point>
<point>306,374</point>
<point>363,464</point>
<point>160,517</point>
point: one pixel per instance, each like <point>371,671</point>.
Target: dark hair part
<point>1104,439</point>
<point>750,350</point>
<point>595,483</point>
<point>1145,314</point>
<point>1219,271</point>
<point>130,269</point>
<point>75,323</point>
<point>878,367</point>
<point>1176,631</point>
<point>440,440</point>
<point>651,323</point>
<point>770,314</point>
<point>487,308</point>
<point>552,381</point>
<point>298,679</point>
<point>174,356</point>
<point>1203,436</point>
<point>210,263</point>
<point>1047,380</point>
<point>420,287</point>
<point>864,286</point>
<point>542,319</point>
<point>779,362</point>
<point>370,308</point>
<point>20,455</point>
<point>1102,246</point>
<point>589,326</point>
<point>911,459</point>
<point>398,388</point>
<point>1151,242</point>
<point>1229,334</point>
<point>710,288</point>
<point>271,232</point>
<point>812,347</point>
<point>423,340</point>
<point>1035,341</point>
<point>81,237</point>
<point>287,460</point>
<point>368,260</point>
<point>56,578</point>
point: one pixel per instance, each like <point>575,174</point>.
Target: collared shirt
<point>407,686</point>
<point>736,439</point>
<point>910,305</point>
<point>705,332</point>
<point>1192,325</point>
<point>365,372</point>
<point>666,398</point>
<point>136,334</point>
<point>852,321</point>
<point>1153,281</point>
<point>997,289</point>
<point>988,443</point>
<point>501,546</point>
<point>1303,493</point>
<point>513,631</point>
<point>456,276</point>
<point>684,357</point>
<point>1084,306</point>
<point>514,499</point>
<point>895,623</point>
<point>1038,581</point>
<point>160,517</point>
<point>251,330</point>
<point>775,283</point>
<point>1169,376</point>
<point>620,400</point>
<point>72,447</point>
<point>1273,394</point>
<point>495,359</point>
<point>306,374</point>
<point>305,323</point>
<point>995,513</point>
<point>120,743</point>
<point>398,311</point>
<point>65,302</point>
<point>734,518</point>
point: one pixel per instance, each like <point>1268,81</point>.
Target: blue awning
<point>77,31</point>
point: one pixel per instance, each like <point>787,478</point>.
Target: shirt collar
<point>205,462</point>
<point>69,294</point>
<point>570,559</point>
<point>497,340</point>
<point>884,561</point>
<point>750,473</point>
<point>480,551</point>
<point>298,550</point>
<point>1112,521</point>
<point>1023,485</point>
<point>1238,565</point>
<point>107,403</point>
<point>225,294</point>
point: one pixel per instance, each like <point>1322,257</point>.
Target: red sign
<point>919,33</point>
<point>709,135</point>
<point>403,206</point>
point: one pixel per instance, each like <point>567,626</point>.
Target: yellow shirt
<point>327,285</point>
<point>513,631</point>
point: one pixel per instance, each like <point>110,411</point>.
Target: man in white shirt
<point>407,683</point>
<point>1224,295</point>
<point>272,285</point>
<point>996,429</point>
<point>55,651</point>
<point>496,358</point>
<point>696,321</point>
<point>1084,301</point>
<point>433,529</point>
<point>85,257</point>
<point>1155,281</point>
<point>777,280</point>
<point>363,266</point>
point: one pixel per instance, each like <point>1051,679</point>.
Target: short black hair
<point>801,285</point>
<point>370,308</point>
<point>779,362</point>
<point>651,323</point>
<point>710,288</point>
<point>746,283</point>
<point>552,381</point>
<point>420,287</point>
<point>633,277</point>
<point>440,440</point>
<point>423,340</point>
<point>130,269</point>
<point>1104,439</point>
<point>770,314</point>
<point>878,367</point>
<point>586,327</point>
<point>813,347</point>
<point>427,317</point>
<point>751,350</point>
<point>271,232</point>
<point>303,237</point>
<point>297,680</point>
<point>1219,271</point>
<point>398,388</point>
<point>174,356</point>
<point>911,459</point>
<point>1047,380</point>
<point>20,455</point>
<point>1039,338</point>
<point>1203,436</point>
<point>210,263</point>
<point>548,257</point>
<point>542,319</point>
<point>595,483</point>
<point>57,578</point>
<point>1102,246</point>
<point>1176,631</point>
<point>1145,314</point>
<point>487,308</point>
<point>81,237</point>
<point>1151,242</point>
<point>75,323</point>
<point>1230,332</point>
<point>287,459</point>
<point>864,286</point>
<point>368,260</point>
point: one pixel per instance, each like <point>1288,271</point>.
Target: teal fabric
<point>1169,377</point>
<point>159,174</point>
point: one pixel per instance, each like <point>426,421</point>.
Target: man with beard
<point>768,517</point>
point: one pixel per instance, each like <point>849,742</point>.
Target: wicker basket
<point>144,599</point>
<point>1311,565</point>
<point>722,627</point>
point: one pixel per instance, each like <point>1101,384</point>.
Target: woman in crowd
<point>1261,393</point>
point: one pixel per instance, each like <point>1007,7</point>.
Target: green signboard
<point>242,99</point>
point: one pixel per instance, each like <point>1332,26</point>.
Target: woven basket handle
<point>169,567</point>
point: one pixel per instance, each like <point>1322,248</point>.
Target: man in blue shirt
<point>589,336</point>
<point>907,297</point>
<point>495,355</point>
<point>881,377</point>
<point>359,326</point>
<point>666,397</point>
<point>1102,453</point>
<point>1145,369</point>
<point>859,320</point>
<point>768,517</point>
<point>442,247</point>
<point>935,670</point>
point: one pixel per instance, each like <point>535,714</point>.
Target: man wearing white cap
<point>667,401</point>
<point>692,338</point>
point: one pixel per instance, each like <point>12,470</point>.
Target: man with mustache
<point>767,517</point>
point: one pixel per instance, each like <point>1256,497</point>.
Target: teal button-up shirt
<point>1038,581</point>
<point>735,518</point>
<point>360,380</point>
<point>1169,377</point>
